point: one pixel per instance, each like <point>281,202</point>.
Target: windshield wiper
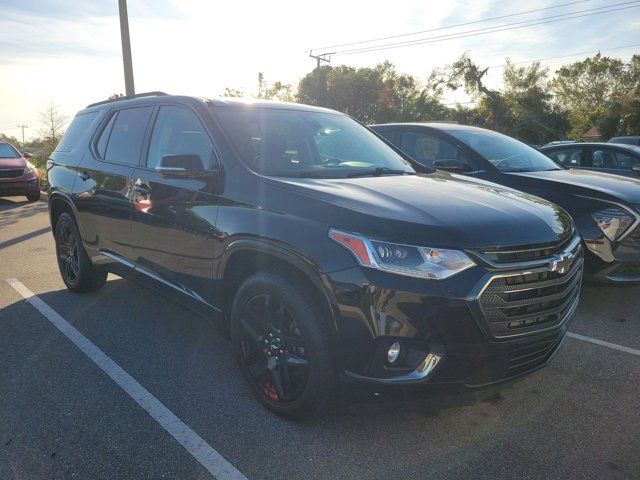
<point>378,172</point>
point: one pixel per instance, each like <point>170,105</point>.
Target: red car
<point>17,175</point>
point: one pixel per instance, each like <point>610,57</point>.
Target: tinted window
<point>302,143</point>
<point>7,151</point>
<point>127,134</point>
<point>609,158</point>
<point>569,157</point>
<point>505,153</point>
<point>78,127</point>
<point>427,149</point>
<point>178,131</point>
<point>104,136</point>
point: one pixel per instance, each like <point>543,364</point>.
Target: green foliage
<point>593,91</point>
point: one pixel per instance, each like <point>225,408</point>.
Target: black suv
<point>605,208</point>
<point>317,245</point>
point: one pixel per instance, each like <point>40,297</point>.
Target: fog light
<point>393,353</point>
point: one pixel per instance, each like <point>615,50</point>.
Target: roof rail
<point>137,95</point>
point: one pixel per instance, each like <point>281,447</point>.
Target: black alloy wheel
<point>69,258</point>
<point>78,272</point>
<point>284,345</point>
<point>273,348</point>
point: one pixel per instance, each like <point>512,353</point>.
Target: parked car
<point>17,175</point>
<point>605,208</point>
<point>600,157</point>
<point>626,140</point>
<point>316,244</point>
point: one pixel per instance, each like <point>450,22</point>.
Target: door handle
<point>84,176</point>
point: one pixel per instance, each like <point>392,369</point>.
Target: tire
<point>303,391</point>
<point>78,272</point>
<point>34,197</point>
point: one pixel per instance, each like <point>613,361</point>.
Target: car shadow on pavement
<point>10,213</point>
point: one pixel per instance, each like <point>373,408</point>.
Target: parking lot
<point>64,413</point>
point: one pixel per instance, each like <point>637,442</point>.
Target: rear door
<point>174,218</point>
<point>617,161</point>
<point>102,191</point>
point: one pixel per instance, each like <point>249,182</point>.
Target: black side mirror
<point>452,165</point>
<point>183,165</point>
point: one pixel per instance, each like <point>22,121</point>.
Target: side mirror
<point>183,165</point>
<point>27,155</point>
<point>452,165</point>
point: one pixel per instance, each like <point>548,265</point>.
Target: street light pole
<point>126,49</point>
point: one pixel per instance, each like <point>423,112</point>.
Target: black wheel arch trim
<point>286,254</point>
<point>60,196</point>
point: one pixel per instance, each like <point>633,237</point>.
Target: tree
<point>52,129</point>
<point>232,92</point>
<point>591,90</point>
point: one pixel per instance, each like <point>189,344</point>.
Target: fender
<point>61,196</point>
<point>283,252</point>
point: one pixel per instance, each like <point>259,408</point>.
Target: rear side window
<point>607,158</point>
<point>78,127</point>
<point>125,135</point>
<point>178,132</point>
<point>569,157</point>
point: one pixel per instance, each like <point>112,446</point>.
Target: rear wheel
<point>283,346</point>
<point>78,273</point>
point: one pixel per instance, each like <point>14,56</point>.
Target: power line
<point>449,26</point>
<point>495,29</point>
<point>567,55</point>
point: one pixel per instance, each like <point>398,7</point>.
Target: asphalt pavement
<point>63,416</point>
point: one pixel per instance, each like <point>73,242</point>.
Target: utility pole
<point>323,57</point>
<point>23,127</point>
<point>126,49</point>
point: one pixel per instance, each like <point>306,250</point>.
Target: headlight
<point>29,169</point>
<point>613,222</point>
<point>414,261</point>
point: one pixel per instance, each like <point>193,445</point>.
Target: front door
<point>174,218</point>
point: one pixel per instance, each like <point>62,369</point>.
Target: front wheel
<point>33,197</point>
<point>283,345</point>
<point>78,273</point>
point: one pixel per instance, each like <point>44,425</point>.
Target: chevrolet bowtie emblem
<point>560,263</point>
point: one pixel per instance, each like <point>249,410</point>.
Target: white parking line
<point>602,343</point>
<point>209,458</point>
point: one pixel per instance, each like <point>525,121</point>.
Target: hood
<point>19,162</point>
<point>585,181</point>
<point>438,209</point>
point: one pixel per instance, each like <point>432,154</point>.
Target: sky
<point>68,52</point>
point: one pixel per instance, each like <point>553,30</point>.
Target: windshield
<point>7,151</point>
<point>505,153</point>
<point>294,143</point>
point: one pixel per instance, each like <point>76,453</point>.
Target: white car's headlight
<point>613,222</point>
<point>411,260</point>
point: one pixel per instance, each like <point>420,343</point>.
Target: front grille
<point>526,302</point>
<point>11,173</point>
<point>519,254</point>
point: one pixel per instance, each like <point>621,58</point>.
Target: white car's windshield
<point>297,143</point>
<point>505,153</point>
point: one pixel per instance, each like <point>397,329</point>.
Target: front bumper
<point>24,185</point>
<point>449,319</point>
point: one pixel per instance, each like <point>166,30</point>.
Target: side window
<point>104,136</point>
<point>126,136</point>
<point>569,157</point>
<point>626,160</point>
<point>603,158</point>
<point>78,127</point>
<point>178,131</point>
<point>431,149</point>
